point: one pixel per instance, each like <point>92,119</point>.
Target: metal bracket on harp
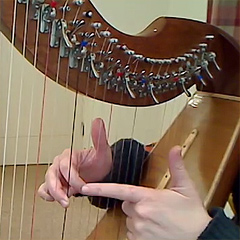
<point>47,15</point>
<point>185,147</point>
<point>59,37</point>
<point>36,8</point>
<point>22,1</point>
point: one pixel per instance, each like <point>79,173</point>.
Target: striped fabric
<point>226,15</point>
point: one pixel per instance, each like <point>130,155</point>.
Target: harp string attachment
<point>118,68</point>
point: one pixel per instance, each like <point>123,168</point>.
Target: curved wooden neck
<point>160,74</point>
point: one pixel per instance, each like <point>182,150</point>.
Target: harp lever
<point>211,57</point>
<point>151,86</point>
<point>46,16</point>
<point>200,78</point>
<point>127,80</point>
<point>60,37</point>
<point>36,8</point>
<point>64,34</point>
<point>182,81</point>
<point>205,67</point>
<point>94,70</point>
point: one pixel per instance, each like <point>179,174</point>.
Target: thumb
<point>180,180</point>
<point>99,136</point>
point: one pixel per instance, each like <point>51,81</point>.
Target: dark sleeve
<point>128,160</point>
<point>236,198</point>
<point>221,227</point>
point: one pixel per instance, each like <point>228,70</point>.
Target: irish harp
<point>72,44</point>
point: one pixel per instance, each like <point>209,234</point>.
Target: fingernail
<point>64,203</point>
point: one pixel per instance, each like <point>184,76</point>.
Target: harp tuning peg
<point>113,40</point>
<point>88,14</point>
<point>105,34</point>
<point>209,37</point>
<point>129,52</point>
<point>65,8</point>
<point>96,25</point>
<point>78,2</point>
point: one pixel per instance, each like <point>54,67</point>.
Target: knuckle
<point>66,151</point>
<point>140,211</point>
<point>138,226</point>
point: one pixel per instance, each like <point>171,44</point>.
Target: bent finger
<point>55,187</point>
<point>42,192</point>
<point>71,177</point>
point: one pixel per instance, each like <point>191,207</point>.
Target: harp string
<point>71,150</point>
<point>108,136</point>
<point>29,131</point>
<point>73,130</point>
<point>18,125</point>
<point>8,108</point>
<point>40,132</point>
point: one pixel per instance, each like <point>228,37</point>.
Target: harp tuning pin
<point>183,59</point>
<point>105,34</point>
<point>194,50</point>
<point>203,47</point>
<point>96,25</point>
<point>188,55</point>
<point>65,8</point>
<point>127,67</point>
<point>151,74</point>
<point>209,37</point>
<point>159,61</point>
<point>89,35</point>
<point>118,62</point>
<point>129,52</point>
<point>154,61</point>
<point>78,2</point>
<point>88,14</point>
<point>138,56</point>
<point>113,40</point>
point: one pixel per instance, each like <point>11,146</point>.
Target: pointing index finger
<point>118,191</point>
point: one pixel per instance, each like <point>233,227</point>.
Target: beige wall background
<point>22,89</point>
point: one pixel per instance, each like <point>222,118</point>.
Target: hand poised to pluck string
<point>90,165</point>
<point>174,213</point>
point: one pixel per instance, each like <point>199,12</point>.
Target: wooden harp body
<point>78,49</point>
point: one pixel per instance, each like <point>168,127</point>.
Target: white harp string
<point>8,109</point>
<point>18,125</point>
